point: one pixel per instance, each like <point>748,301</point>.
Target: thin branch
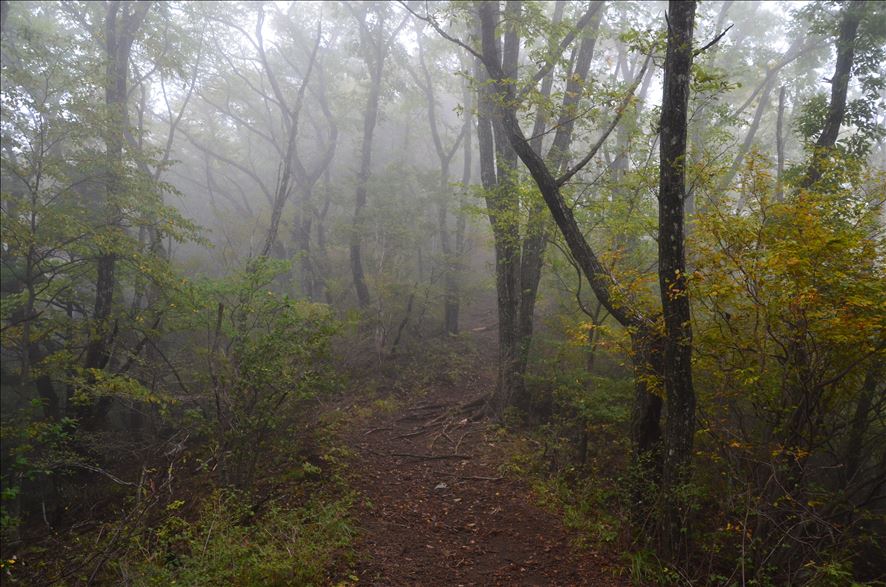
<point>431,21</point>
<point>619,113</point>
<point>227,160</point>
<point>713,42</point>
<point>567,40</point>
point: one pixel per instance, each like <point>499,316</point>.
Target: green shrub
<point>230,545</point>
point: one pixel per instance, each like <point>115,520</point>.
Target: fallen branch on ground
<point>419,432</point>
<point>429,407</point>
<point>472,477</point>
<point>429,457</point>
<point>463,436</point>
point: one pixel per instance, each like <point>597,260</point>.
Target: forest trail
<point>436,510</point>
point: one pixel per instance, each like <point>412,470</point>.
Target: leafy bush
<point>267,356</point>
<point>230,545</point>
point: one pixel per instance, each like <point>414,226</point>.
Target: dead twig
<point>429,407</point>
<point>439,434</point>
<point>473,477</point>
<point>420,416</point>
<point>463,436</point>
<point>430,457</point>
<point>419,432</point>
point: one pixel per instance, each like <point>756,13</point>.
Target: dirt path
<point>437,511</point>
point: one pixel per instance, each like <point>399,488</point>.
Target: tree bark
<point>518,259</point>
<point>748,139</point>
<point>510,261</point>
<point>122,22</point>
<point>678,386</point>
<point>290,163</point>
<point>461,214</point>
<point>615,298</point>
<point>444,155</point>
<point>497,170</point>
<point>533,245</point>
<point>779,147</point>
<point>313,270</point>
<point>839,88</point>
<point>375,51</point>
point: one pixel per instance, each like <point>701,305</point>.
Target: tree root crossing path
<point>436,508</point>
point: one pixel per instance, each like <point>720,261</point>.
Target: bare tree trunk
<point>461,213</point>
<point>291,117</point>
<point>672,271</point>
<point>839,88</point>
<point>532,258</point>
<point>518,260</point>
<point>313,280</point>
<point>700,119</point>
<point>748,140</point>
<point>799,46</point>
<point>122,21</point>
<point>450,287</point>
<point>322,261</point>
<point>608,291</point>
<point>497,167</point>
<point>375,51</point>
<point>508,261</point>
<point>444,155</point>
<point>360,201</point>
<point>779,147</point>
<point>617,301</point>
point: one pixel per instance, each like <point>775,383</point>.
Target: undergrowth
<point>230,545</point>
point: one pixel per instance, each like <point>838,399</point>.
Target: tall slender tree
<point>846,47</point>
<point>678,387</point>
<point>646,341</point>
<point>375,40</point>
<point>519,258</point>
<point>445,154</point>
<point>122,23</point>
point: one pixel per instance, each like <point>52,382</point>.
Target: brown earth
<point>435,508</point>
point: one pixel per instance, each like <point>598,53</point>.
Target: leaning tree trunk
<point>793,52</point>
<point>839,89</point>
<point>518,260</point>
<point>534,244</point>
<point>617,301</point>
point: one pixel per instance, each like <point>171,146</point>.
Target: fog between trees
<point>223,221</point>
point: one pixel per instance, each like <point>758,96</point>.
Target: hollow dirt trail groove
<point>436,510</point>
